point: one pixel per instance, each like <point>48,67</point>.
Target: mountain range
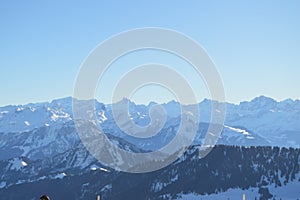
<point>262,121</point>
<point>40,146</point>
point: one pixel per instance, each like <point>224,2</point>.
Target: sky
<point>255,46</point>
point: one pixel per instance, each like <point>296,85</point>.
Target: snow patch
<point>24,164</point>
<point>102,116</point>
<point>96,167</point>
<point>93,168</point>
<point>244,132</point>
<point>26,123</point>
<point>41,178</point>
<point>60,176</point>
<point>103,169</point>
<point>56,116</point>
<point>17,164</point>
<point>19,109</point>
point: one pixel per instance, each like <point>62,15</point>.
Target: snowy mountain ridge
<point>272,121</point>
<point>40,144</point>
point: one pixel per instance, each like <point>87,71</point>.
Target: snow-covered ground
<point>290,191</point>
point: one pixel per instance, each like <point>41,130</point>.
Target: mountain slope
<point>225,168</point>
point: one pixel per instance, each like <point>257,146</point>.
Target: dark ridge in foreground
<point>225,167</point>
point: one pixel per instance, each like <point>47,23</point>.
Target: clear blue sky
<point>255,44</point>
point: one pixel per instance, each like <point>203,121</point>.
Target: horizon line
<point>151,102</point>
